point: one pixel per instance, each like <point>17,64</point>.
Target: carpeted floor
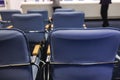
<point>98,23</point>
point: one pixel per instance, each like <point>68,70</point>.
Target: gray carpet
<point>98,23</point>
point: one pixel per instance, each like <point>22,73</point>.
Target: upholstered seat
<point>6,16</point>
<point>68,20</point>
<point>83,54</point>
<point>15,57</point>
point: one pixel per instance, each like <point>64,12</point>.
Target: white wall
<point>34,0</point>
<point>91,9</point>
<point>14,4</point>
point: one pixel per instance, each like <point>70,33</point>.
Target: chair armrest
<point>48,26</point>
<point>9,27</point>
<point>36,50</point>
<point>48,50</point>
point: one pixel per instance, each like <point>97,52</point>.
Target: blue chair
<point>6,16</point>
<point>116,70</point>
<point>31,24</point>
<point>64,10</point>
<point>87,54</point>
<point>44,14</point>
<point>15,58</point>
<point>68,20</point>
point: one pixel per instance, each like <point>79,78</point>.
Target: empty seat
<point>6,16</point>
<point>44,14</point>
<point>83,54</point>
<point>31,24</point>
<point>15,58</point>
<point>68,20</point>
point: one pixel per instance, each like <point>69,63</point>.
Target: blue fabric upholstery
<point>73,51</point>
<point>64,10</point>
<point>30,22</point>
<point>15,62</point>
<point>68,20</point>
<point>43,12</point>
<point>6,16</point>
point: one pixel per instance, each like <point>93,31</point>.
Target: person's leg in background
<point>104,15</point>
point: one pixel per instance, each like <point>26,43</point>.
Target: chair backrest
<point>6,15</point>
<point>15,63</point>
<point>83,54</point>
<point>64,10</point>
<point>43,12</point>
<point>30,22</point>
<point>68,20</point>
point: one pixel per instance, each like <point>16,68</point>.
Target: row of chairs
<point>69,47</point>
<point>75,54</point>
<point>28,30</point>
<point>6,15</point>
<point>34,24</point>
<point>69,50</point>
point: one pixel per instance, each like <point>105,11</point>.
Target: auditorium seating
<point>68,20</point>
<point>33,26</point>
<point>6,16</point>
<point>16,63</point>
<point>44,14</point>
<point>83,54</point>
